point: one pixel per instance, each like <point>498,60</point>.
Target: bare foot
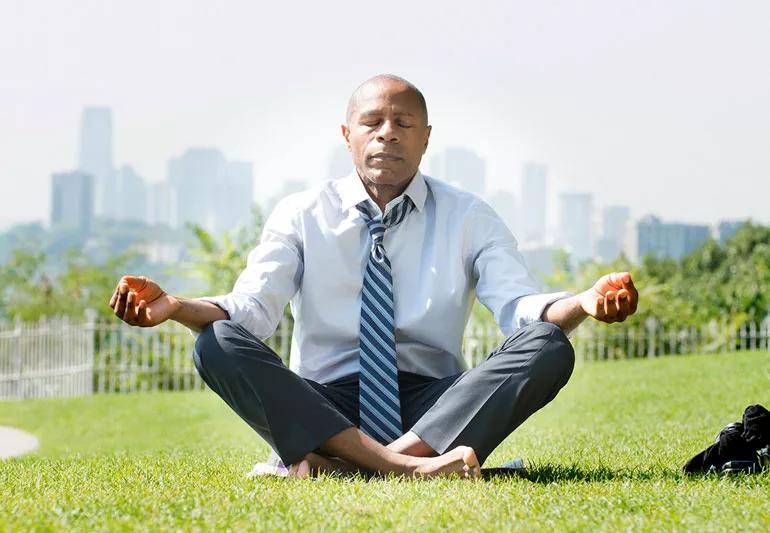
<point>462,460</point>
<point>301,469</point>
<point>313,464</point>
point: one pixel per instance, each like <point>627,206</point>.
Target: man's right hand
<point>139,301</point>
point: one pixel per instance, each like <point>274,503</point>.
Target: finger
<point>120,306</point>
<point>116,294</point>
<point>624,305</point>
<point>599,312</point>
<point>628,284</point>
<point>129,313</point>
<point>141,313</point>
<point>610,306</point>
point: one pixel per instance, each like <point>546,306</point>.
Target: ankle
<point>406,464</point>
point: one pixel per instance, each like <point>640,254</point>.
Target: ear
<point>428,129</point>
<point>345,134</point>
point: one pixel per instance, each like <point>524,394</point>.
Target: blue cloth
<point>379,405</point>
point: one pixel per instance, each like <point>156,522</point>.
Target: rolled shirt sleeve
<point>504,285</point>
<point>272,276</point>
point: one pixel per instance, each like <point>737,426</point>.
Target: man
<point>381,269</point>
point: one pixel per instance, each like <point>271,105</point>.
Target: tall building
<point>72,200</point>
<point>614,222</point>
<point>194,177</point>
<point>236,195</point>
<point>660,239</point>
<point>460,167</point>
<point>96,157</point>
<point>533,203</point>
<point>132,195</point>
<point>575,225</point>
<point>728,228</point>
<point>208,190</point>
<point>161,205</point>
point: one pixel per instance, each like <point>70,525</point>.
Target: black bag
<point>741,446</point>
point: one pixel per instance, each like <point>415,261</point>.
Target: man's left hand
<point>611,299</point>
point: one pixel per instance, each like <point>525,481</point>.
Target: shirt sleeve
<point>504,285</point>
<point>272,276</point>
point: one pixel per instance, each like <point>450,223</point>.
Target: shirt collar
<point>352,191</point>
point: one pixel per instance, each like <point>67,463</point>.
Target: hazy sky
<point>662,106</point>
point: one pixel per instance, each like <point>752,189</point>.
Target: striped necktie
<point>379,405</point>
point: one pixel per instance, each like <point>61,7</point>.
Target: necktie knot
<point>378,223</point>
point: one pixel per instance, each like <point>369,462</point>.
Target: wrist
<point>175,304</point>
<point>586,302</point>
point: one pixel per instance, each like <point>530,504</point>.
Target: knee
<point>556,356</point>
<point>211,345</point>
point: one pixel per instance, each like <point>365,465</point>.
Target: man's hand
<point>611,299</point>
<point>139,301</point>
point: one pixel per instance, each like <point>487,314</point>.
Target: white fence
<point>59,357</point>
<point>49,358</point>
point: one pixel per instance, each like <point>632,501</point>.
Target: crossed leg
<point>467,417</point>
<point>294,418</point>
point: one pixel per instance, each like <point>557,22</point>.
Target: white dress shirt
<point>451,248</point>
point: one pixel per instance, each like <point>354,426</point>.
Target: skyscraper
<point>131,195</point>
<point>96,157</point>
<point>533,203</point>
<point>210,191</point>
<point>460,167</point>
<point>236,195</point>
<point>161,205</point>
<point>575,224</point>
<point>194,177</point>
<point>727,229</point>
<point>614,221</point>
<point>71,200</point>
<point>669,239</point>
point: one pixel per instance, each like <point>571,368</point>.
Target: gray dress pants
<point>477,408</point>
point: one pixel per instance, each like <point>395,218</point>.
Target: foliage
<point>29,288</point>
<point>219,262</point>
<point>716,280</point>
<point>606,454</point>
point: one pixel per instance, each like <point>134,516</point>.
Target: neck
<point>383,193</point>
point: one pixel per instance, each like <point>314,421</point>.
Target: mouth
<point>384,156</point>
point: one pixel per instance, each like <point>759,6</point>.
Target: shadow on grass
<point>555,473</point>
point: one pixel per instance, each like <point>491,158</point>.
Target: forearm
<point>197,314</point>
<point>567,313</point>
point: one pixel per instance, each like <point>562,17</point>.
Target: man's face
<point>387,134</point>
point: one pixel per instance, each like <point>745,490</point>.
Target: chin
<point>384,176</point>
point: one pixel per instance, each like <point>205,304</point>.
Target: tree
<point>218,263</point>
<point>29,289</point>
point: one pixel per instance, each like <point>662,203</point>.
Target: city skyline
<point>336,158</point>
<point>204,187</point>
<point>639,105</point>
<point>457,165</point>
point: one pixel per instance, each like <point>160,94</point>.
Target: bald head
<point>383,82</point>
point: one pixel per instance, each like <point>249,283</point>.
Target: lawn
<point>606,454</point>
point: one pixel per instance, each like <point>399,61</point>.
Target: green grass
<point>606,454</point>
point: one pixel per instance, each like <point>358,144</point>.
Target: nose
<point>387,133</point>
